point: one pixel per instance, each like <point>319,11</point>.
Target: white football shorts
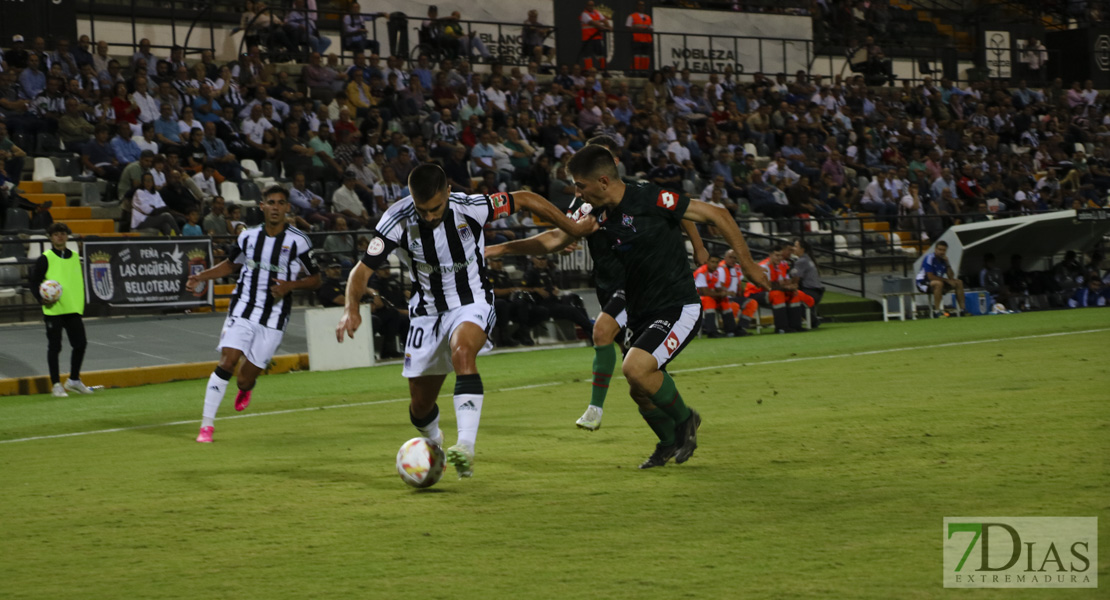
<point>258,343</point>
<point>428,346</point>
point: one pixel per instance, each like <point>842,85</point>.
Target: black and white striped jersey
<point>267,259</point>
<point>446,263</point>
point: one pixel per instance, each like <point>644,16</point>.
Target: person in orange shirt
<point>594,26</point>
<point>786,301</point>
<point>709,279</point>
<point>640,24</point>
<point>741,308</point>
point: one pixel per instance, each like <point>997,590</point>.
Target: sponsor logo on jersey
<point>667,200</point>
<point>451,268</point>
<point>671,343</point>
<point>661,325</point>
<point>501,205</point>
<point>253,264</point>
<point>376,247</point>
<point>415,245</point>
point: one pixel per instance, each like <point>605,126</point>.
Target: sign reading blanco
<point>1021,552</point>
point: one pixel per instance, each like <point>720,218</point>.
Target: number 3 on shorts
<point>415,339</point>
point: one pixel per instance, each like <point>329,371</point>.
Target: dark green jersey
<point>608,271</point>
<point>644,234</point>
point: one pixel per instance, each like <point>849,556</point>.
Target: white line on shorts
<point>554,383</point>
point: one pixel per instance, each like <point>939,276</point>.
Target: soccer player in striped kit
<point>451,308</point>
<point>270,259</point>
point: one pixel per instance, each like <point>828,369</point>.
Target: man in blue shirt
<point>166,130</point>
<point>936,277</point>
<point>125,148</point>
<point>32,80</point>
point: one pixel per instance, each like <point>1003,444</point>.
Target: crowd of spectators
<point>923,155</point>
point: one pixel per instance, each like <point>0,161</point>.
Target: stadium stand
<point>829,156</point>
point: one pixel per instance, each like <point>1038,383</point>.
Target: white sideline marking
<point>554,383</point>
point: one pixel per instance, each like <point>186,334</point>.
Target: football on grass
<point>50,291</point>
<point>420,462</point>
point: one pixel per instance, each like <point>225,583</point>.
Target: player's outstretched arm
<point>223,269</point>
<point>356,289</point>
<point>700,212</point>
<point>539,206</point>
<point>701,255</point>
<point>543,243</point>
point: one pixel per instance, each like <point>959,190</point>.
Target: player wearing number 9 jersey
<point>451,308</point>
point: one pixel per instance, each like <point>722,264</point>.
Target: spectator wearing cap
<point>346,201</point>
<point>17,56</point>
<point>333,289</point>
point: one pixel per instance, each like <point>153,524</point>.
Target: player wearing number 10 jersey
<point>451,309</point>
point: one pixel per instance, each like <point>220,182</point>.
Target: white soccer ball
<point>420,462</point>
<point>50,291</point>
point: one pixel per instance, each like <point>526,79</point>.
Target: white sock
<point>468,412</point>
<point>431,430</point>
<point>213,396</point>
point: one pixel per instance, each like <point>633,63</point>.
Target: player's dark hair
<point>804,244</point>
<point>942,243</point>
<point>606,141</point>
<point>57,226</point>
<point>592,160</point>
<point>276,189</point>
<point>426,181</point>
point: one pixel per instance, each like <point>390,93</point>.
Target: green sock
<point>670,401</point>
<point>661,424</point>
<point>605,359</point>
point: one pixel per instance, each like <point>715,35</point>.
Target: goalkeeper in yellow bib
<point>640,227</point>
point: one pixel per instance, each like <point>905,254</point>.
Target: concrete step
<point>57,199</point>
<point>92,226</point>
<point>65,213</point>
<point>31,187</point>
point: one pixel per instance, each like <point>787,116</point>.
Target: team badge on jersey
<point>501,203</point>
<point>667,200</point>
<point>464,231</point>
<point>626,220</point>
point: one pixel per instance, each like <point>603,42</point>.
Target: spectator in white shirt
<point>780,170</point>
<point>206,182</point>
<point>149,211</point>
<point>345,201</point>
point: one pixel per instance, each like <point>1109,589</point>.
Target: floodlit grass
<point>817,475</point>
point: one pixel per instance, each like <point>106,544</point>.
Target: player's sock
<point>661,424</point>
<point>605,359</point>
<point>429,425</point>
<point>468,407</point>
<point>670,401</point>
<point>217,386</point>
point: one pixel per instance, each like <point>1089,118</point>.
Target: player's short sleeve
<point>387,234</point>
<point>485,208</point>
<point>670,204</point>
<point>238,253</point>
<point>305,255</point>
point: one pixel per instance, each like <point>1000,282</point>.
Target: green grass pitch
<point>826,464</point>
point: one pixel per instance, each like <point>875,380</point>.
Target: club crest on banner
<point>100,266</point>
